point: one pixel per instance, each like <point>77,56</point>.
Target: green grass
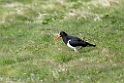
<point>29,55</point>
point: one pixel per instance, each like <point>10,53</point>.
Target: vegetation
<point>29,55</point>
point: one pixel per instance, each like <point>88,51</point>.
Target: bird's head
<point>62,34</point>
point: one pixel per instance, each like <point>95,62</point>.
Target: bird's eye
<point>61,34</point>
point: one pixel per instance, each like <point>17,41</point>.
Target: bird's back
<point>75,41</point>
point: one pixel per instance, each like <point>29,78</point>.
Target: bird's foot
<point>75,50</point>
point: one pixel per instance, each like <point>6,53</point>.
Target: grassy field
<point>28,53</point>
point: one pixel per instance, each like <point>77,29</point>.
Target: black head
<point>63,34</point>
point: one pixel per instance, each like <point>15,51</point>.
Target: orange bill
<point>57,37</point>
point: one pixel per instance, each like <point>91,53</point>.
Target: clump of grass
<point>63,58</point>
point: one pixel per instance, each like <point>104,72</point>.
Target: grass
<point>29,54</point>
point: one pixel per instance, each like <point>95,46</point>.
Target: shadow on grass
<point>69,55</point>
<point>87,49</point>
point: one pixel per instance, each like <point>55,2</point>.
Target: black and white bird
<point>72,41</point>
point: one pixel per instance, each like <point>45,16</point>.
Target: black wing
<point>75,41</point>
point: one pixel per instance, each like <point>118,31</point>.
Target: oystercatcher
<point>72,41</point>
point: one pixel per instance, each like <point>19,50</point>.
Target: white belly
<point>68,44</point>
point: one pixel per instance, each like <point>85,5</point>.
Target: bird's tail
<point>91,44</point>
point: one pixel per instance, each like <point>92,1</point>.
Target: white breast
<point>68,44</point>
